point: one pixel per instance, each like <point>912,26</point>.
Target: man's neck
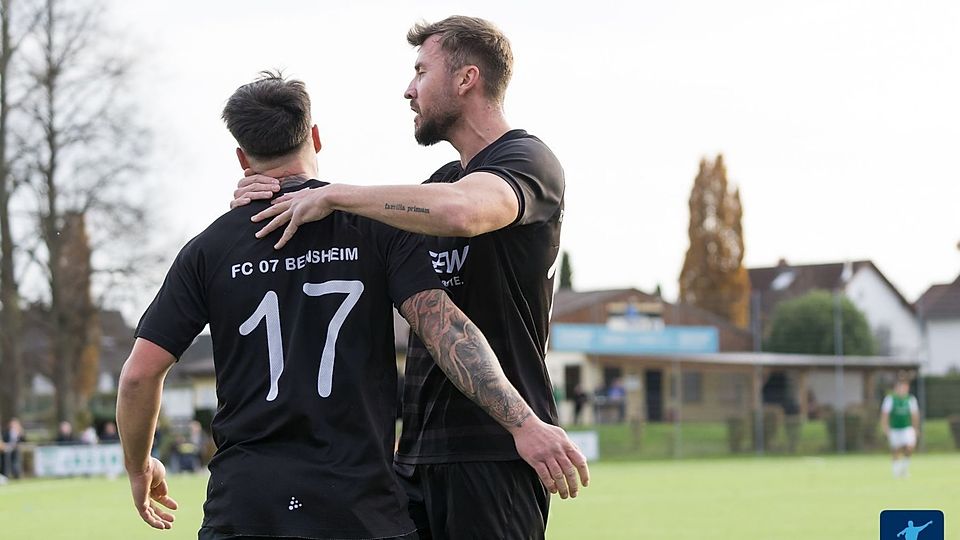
<point>477,129</point>
<point>290,173</point>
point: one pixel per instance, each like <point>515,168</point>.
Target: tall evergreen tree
<point>566,272</point>
<point>713,276</point>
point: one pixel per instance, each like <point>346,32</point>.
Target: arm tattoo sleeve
<point>461,351</point>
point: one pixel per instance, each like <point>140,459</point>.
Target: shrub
<point>942,396</point>
<point>736,433</point>
<point>854,429</point>
<point>954,422</point>
<point>772,422</point>
<point>793,424</point>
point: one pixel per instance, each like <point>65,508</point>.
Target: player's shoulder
<point>446,173</point>
<point>227,227</point>
<point>522,151</point>
<point>521,140</point>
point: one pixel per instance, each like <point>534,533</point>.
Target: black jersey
<point>503,281</point>
<point>305,366</point>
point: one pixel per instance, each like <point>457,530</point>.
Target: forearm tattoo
<point>400,207</point>
<point>461,351</point>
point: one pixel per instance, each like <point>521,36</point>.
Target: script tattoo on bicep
<point>461,351</point>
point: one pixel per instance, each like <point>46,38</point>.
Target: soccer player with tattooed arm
<point>491,223</point>
<point>304,357</point>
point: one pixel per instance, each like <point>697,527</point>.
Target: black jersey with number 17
<point>503,281</point>
<point>305,366</point>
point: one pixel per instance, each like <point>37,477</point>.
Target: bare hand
<point>254,187</point>
<point>294,209</point>
<point>152,484</point>
<point>556,459</point>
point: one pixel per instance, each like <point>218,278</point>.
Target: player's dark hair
<point>471,41</point>
<point>269,117</point>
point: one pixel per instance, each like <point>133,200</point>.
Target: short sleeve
<point>534,174</point>
<point>887,405</point>
<point>914,407</point>
<point>408,266</point>
<point>179,311</point>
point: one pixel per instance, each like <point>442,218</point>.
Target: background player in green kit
<point>901,421</point>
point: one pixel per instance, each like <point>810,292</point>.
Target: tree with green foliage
<point>566,272</point>
<point>713,276</point>
<point>807,325</point>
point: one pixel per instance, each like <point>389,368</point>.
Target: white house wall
<point>884,309</point>
<point>943,337</point>
<point>823,384</point>
<point>177,403</point>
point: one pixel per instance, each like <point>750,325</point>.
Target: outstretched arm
<point>926,525</point>
<point>478,203</point>
<point>461,351</point>
<point>138,405</point>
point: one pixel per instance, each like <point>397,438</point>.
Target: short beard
<point>435,130</point>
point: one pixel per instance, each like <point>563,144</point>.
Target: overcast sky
<point>839,121</point>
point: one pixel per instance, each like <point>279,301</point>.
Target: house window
<point>783,280</point>
<point>882,335</point>
<point>692,387</point>
<point>731,388</point>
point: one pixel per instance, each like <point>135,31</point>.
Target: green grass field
<point>732,498</point>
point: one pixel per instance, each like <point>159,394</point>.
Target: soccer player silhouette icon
<point>910,532</point>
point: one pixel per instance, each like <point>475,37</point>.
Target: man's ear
<point>468,77</point>
<point>242,157</point>
<point>315,133</point>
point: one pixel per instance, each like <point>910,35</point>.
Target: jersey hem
<point>311,536</point>
<point>453,458</point>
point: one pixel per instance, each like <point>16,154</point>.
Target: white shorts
<point>902,437</point>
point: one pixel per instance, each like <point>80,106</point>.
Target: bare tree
<point>85,151</point>
<point>16,21</point>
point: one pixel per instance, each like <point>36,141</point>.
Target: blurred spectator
<point>65,434</point>
<point>189,448</point>
<point>580,400</point>
<point>159,437</point>
<point>109,434</point>
<point>10,461</point>
<point>617,396</point>
<point>89,436</point>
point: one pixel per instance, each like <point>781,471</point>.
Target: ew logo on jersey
<point>448,262</point>
<point>911,525</point>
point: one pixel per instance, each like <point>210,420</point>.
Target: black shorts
<point>206,533</point>
<point>485,500</point>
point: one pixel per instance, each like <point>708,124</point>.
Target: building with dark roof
<point>939,312</point>
<point>671,361</point>
<point>116,340</point>
<point>891,317</point>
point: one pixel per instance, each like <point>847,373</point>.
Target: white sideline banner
<point>105,459</point>
<point>588,442</point>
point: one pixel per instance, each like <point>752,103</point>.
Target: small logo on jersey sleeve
<point>294,504</point>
